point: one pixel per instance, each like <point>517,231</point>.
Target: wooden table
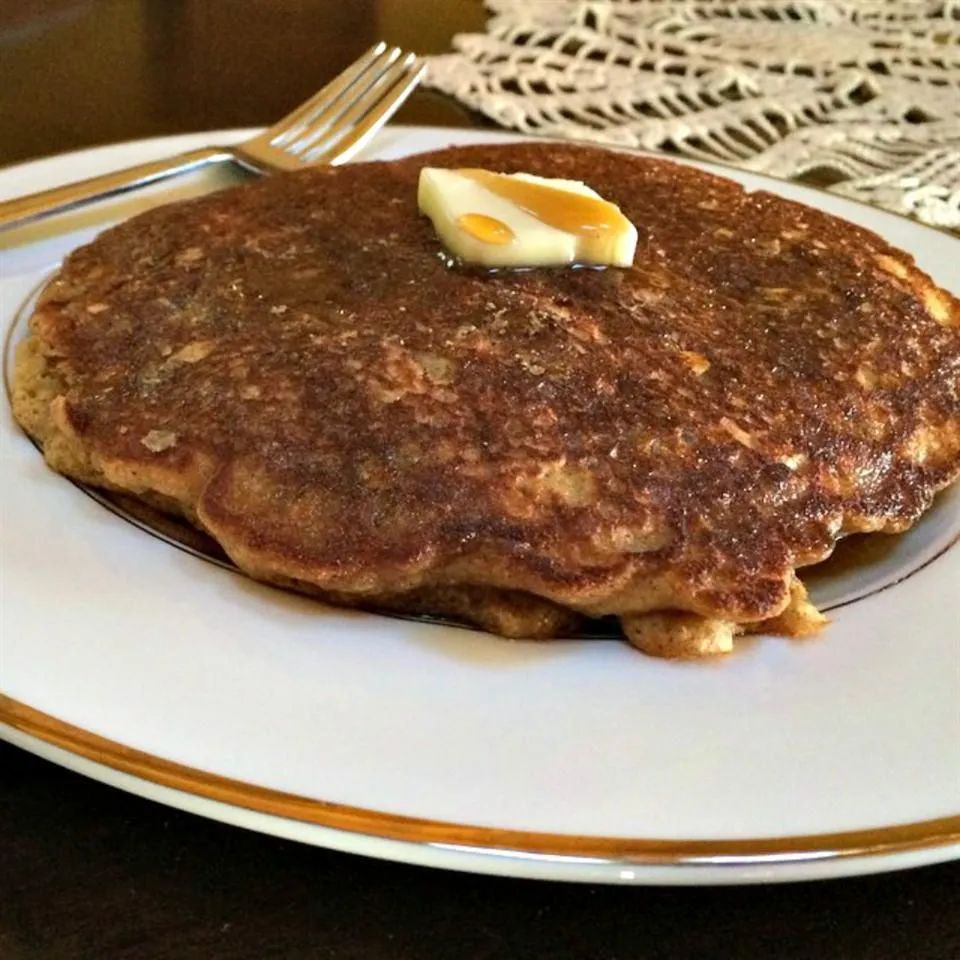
<point>89,872</point>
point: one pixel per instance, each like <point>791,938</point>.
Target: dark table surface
<point>89,872</point>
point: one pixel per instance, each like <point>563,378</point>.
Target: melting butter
<point>519,220</point>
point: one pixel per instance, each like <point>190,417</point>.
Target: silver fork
<point>329,128</point>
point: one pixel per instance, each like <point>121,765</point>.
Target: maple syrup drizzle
<point>589,218</point>
<point>486,229</point>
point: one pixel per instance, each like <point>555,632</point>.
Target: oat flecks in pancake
<point>291,365</point>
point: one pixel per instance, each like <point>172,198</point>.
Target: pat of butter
<point>518,220</point>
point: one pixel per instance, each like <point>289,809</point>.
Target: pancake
<point>294,366</point>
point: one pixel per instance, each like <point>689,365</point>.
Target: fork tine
<point>331,114</point>
<point>367,116</point>
<point>294,122</point>
<point>323,137</point>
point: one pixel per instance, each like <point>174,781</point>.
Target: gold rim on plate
<point>900,838</point>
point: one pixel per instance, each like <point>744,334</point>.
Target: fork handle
<point>23,210</point>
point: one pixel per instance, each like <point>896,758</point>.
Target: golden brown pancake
<point>294,367</point>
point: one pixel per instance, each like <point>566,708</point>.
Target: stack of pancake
<point>295,367</point>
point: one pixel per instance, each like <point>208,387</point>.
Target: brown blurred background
<point>74,73</point>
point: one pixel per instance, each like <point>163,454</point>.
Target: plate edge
<point>637,851</point>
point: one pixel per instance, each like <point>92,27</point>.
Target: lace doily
<point>859,95</point>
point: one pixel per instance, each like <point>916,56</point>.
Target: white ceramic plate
<point>154,670</point>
